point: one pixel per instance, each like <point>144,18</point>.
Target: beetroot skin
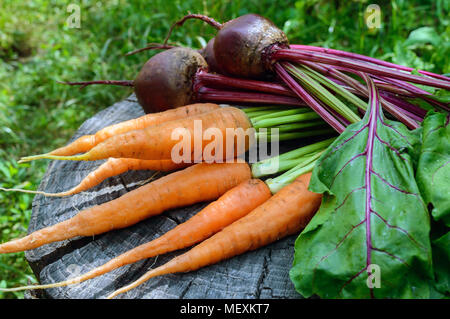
<point>166,80</point>
<point>240,44</point>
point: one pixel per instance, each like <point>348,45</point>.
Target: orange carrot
<point>285,213</point>
<point>156,143</point>
<point>201,182</point>
<point>86,142</point>
<point>112,167</point>
<point>231,206</point>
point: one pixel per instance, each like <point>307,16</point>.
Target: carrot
<point>86,142</point>
<point>201,182</point>
<point>155,142</point>
<point>285,213</point>
<point>231,206</point>
<point>112,167</point>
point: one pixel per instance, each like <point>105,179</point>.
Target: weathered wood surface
<point>259,274</point>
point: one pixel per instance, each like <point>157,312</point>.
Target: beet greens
<point>372,214</point>
<point>433,171</point>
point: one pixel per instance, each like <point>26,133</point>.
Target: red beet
<point>208,53</point>
<point>165,81</point>
<point>241,44</point>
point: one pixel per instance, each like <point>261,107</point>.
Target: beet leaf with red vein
<point>372,216</point>
<point>433,171</point>
<point>441,260</point>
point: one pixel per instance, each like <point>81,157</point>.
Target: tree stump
<point>263,273</point>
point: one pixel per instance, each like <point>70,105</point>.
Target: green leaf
<point>424,35</point>
<point>371,214</point>
<point>433,171</point>
<point>404,55</point>
<point>441,95</point>
<point>441,261</point>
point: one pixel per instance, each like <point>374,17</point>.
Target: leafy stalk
<point>277,113</point>
<point>365,58</point>
<point>309,100</point>
<point>350,97</point>
<point>305,166</point>
<point>249,110</point>
<point>222,81</point>
<point>321,93</point>
<point>289,159</point>
<point>205,94</point>
<point>297,126</point>
<point>293,135</point>
<point>357,65</point>
<point>391,108</point>
<point>278,120</point>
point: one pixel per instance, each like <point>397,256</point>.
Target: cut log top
<point>263,273</point>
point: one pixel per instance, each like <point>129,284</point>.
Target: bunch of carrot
<point>244,213</point>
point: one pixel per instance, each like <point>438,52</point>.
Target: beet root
<point>208,53</point>
<point>240,46</point>
<point>166,80</point>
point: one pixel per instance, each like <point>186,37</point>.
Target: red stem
<point>305,96</point>
<point>407,108</point>
<point>206,94</point>
<point>391,108</point>
<point>105,82</point>
<point>300,56</point>
<point>221,81</point>
<point>152,46</point>
<point>417,92</point>
<point>334,72</point>
<point>365,58</point>
<point>202,17</point>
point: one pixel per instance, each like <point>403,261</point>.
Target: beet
<point>166,80</point>
<point>179,76</point>
<point>208,54</point>
<point>240,45</point>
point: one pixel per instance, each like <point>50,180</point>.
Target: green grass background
<point>37,48</point>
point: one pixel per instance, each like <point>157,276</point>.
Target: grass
<point>37,48</point>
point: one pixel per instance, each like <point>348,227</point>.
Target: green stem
<point>297,126</point>
<point>276,114</point>
<point>265,168</point>
<point>294,135</point>
<point>335,87</point>
<point>258,113</point>
<point>275,184</point>
<point>263,108</point>
<point>274,121</point>
<point>305,149</point>
<point>323,94</point>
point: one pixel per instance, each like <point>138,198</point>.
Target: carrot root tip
<point>52,157</point>
<point>32,158</point>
